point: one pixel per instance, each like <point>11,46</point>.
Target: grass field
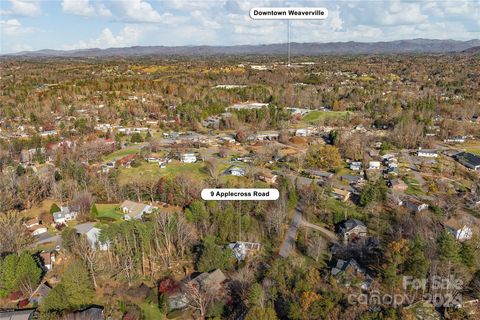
<point>108,211</point>
<point>341,209</point>
<point>151,311</point>
<point>315,116</point>
<point>37,210</point>
<point>413,187</point>
<point>147,171</point>
<point>121,153</point>
<point>474,150</point>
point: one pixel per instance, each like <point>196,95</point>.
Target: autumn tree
<point>323,157</point>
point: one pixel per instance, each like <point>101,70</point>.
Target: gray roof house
<point>469,160</point>
<point>235,171</point>
<point>17,315</point>
<point>93,235</point>
<point>65,214</point>
<point>350,268</point>
<point>40,293</point>
<point>134,210</point>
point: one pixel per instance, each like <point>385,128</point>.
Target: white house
<point>134,210</point>
<point>355,166</point>
<point>415,205</point>
<point>460,231</point>
<point>92,235</point>
<point>37,230</point>
<point>456,139</point>
<point>236,171</point>
<point>427,153</point>
<point>188,158</point>
<point>93,238</point>
<point>374,165</point>
<point>301,132</point>
<point>64,215</point>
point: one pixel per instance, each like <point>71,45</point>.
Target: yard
<point>151,311</point>
<point>315,116</point>
<point>414,188</point>
<point>148,171</point>
<point>474,150</point>
<point>121,153</point>
<point>108,211</point>
<point>35,211</point>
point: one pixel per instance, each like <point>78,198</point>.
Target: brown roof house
<point>339,194</point>
<point>267,177</point>
<point>352,229</point>
<point>48,259</point>
<point>179,294</point>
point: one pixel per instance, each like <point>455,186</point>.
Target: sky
<point>79,24</point>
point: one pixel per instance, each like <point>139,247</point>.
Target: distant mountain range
<point>415,46</point>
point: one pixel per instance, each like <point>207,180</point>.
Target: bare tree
<point>211,166</point>
<point>83,201</point>
<point>199,298</point>
<point>89,256</point>
<point>14,235</point>
<point>316,247</point>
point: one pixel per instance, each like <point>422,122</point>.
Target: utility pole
<point>288,40</point>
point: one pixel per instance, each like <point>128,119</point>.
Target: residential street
<point>288,244</point>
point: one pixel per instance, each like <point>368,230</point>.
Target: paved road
<point>57,239</point>
<point>288,244</point>
<point>332,237</point>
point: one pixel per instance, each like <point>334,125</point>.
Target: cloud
<point>26,8</point>
<point>194,5</point>
<point>85,8</point>
<point>403,13</point>
<point>139,11</point>
<point>128,36</point>
<point>13,27</point>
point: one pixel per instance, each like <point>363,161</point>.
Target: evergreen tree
<point>213,256</point>
<point>259,313</point>
<point>196,211</point>
<point>54,208</point>
<point>256,296</point>
<point>467,255</point>
<point>19,273</point>
<point>136,138</point>
<point>7,274</point>
<point>54,303</point>
<point>94,211</point>
<point>28,272</point>
<point>78,285</point>
<point>416,263</point>
<point>447,247</point>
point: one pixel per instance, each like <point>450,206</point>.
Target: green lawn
<point>151,311</point>
<point>147,171</point>
<point>121,153</point>
<point>315,116</point>
<point>339,209</point>
<point>413,186</point>
<point>108,211</point>
<point>474,151</point>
